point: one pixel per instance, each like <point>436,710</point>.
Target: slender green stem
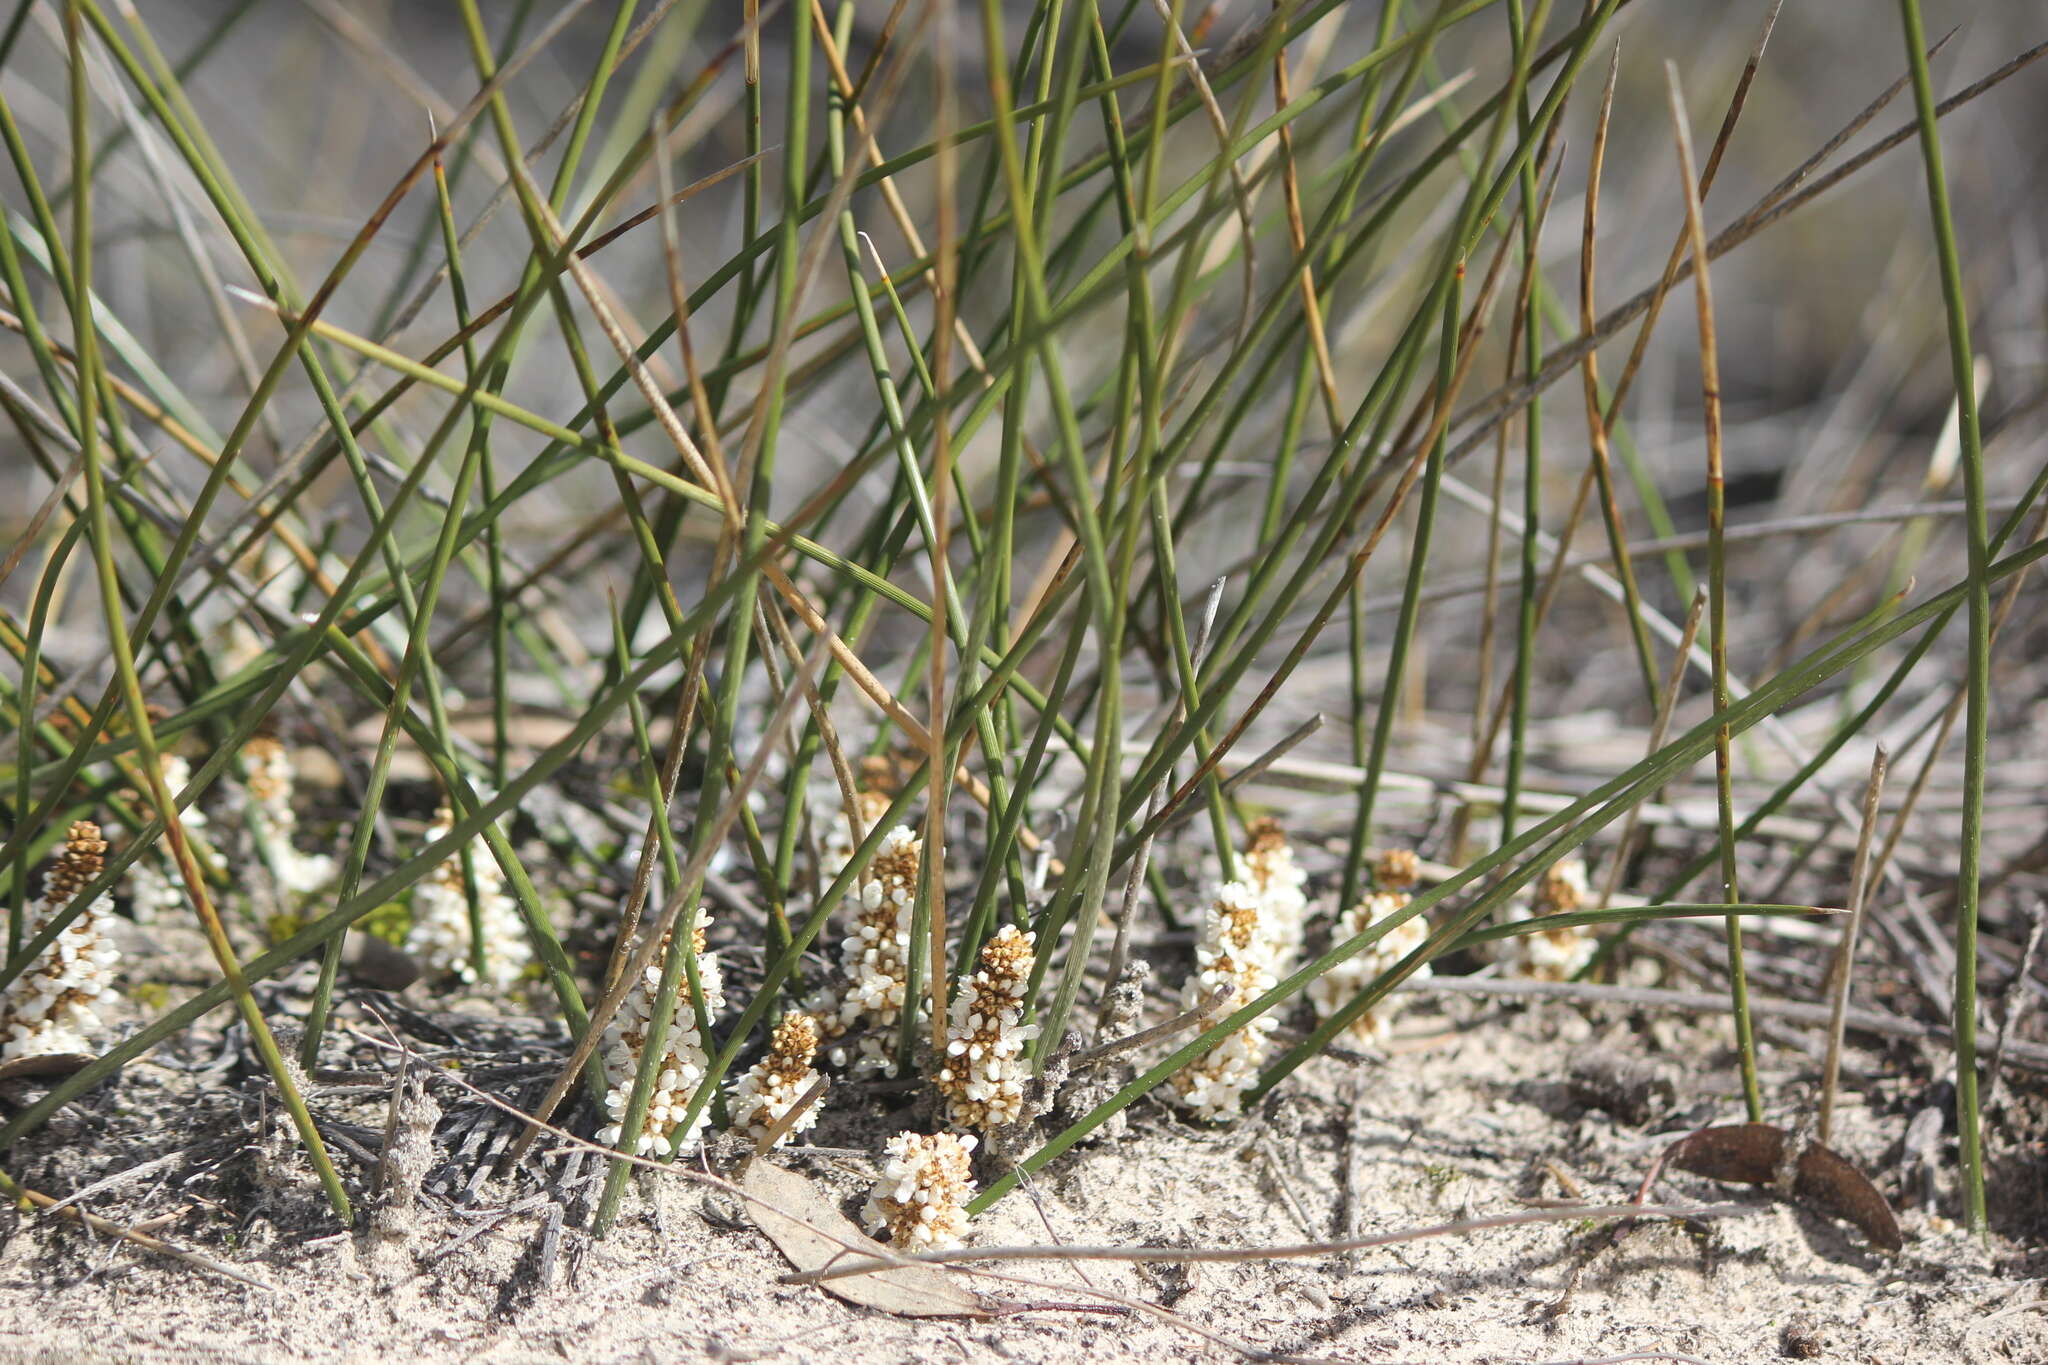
<point>1977,707</point>
<point>86,347</point>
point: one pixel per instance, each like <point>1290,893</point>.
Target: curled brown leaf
<point>1752,1153</point>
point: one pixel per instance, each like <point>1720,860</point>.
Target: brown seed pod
<point>1752,1153</point>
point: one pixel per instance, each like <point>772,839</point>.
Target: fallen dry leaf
<point>788,1202</point>
<point>50,1064</point>
<point>1750,1153</point>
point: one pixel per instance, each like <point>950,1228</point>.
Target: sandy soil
<point>1482,1109</point>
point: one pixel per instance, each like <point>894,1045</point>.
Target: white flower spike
<point>775,1083</point>
<point>272,781</point>
<point>441,935</point>
<point>1336,988</point>
<point>683,1062</point>
<point>154,886</point>
<point>1554,954</point>
<point>1233,962</point>
<point>52,1007</point>
<point>1272,873</point>
<point>982,1074</point>
<point>921,1199</point>
<point>874,958</point>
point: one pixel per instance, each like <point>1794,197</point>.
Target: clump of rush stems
<point>1393,876</point>
<point>921,1199</point>
<point>52,1007</point>
<point>273,781</point>
<point>443,938</point>
<point>684,1059</point>
<point>1085,529</point>
<point>874,960</point>
<point>1553,954</point>
<point>981,1077</point>
<point>774,1085</point>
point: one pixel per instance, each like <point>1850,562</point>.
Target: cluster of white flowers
<point>1553,954</point>
<point>874,958</point>
<point>775,1083</point>
<point>837,847</point>
<point>683,1062</point>
<point>441,936</point>
<point>1277,879</point>
<point>271,782</point>
<point>982,1074</point>
<point>921,1199</point>
<point>1337,987</point>
<point>1234,957</point>
<point>1251,936</point>
<point>49,1008</point>
<point>154,886</point>
<point>152,890</point>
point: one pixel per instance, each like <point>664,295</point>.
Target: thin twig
<point>2034,1056</point>
<point>1164,1255</point>
<point>1845,952</point>
<point>1180,1023</point>
<point>1666,704</point>
<point>127,1234</point>
<point>1120,946</point>
<point>2017,997</point>
<point>1717,588</point>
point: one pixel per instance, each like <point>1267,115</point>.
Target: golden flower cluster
<point>982,1073</point>
<point>51,1006</point>
<point>921,1199</point>
<point>1554,954</point>
<point>773,1085</point>
<point>1394,872</point>
<point>684,1058</point>
<point>874,957</point>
